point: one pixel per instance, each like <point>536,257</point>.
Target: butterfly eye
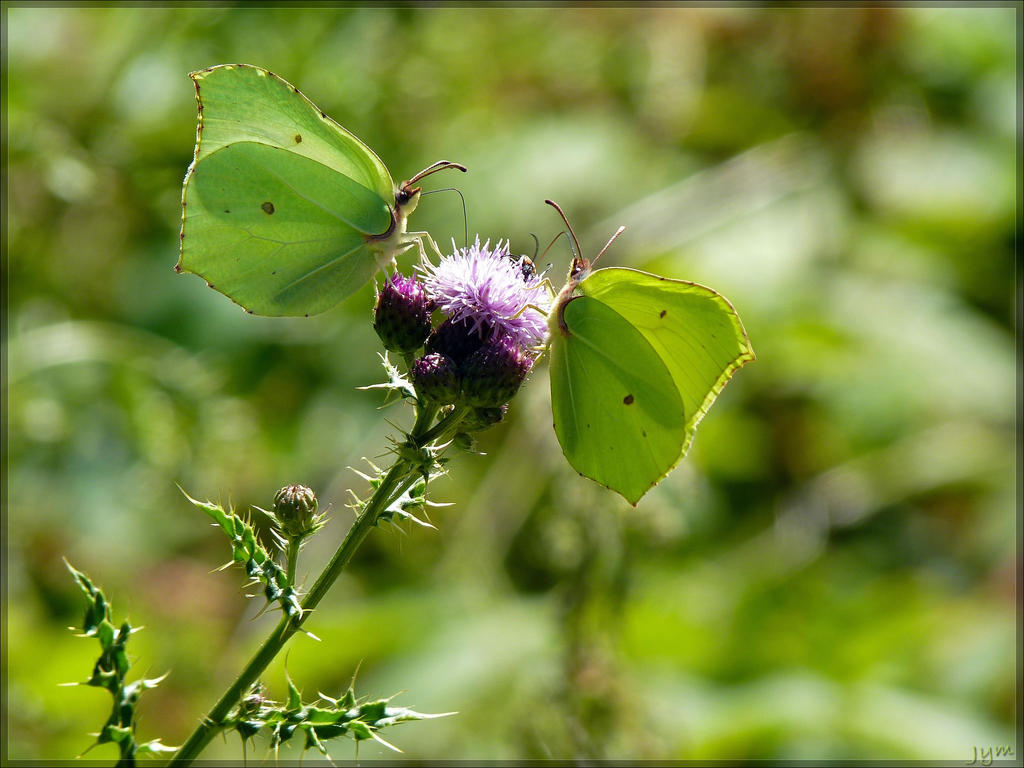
<point>580,267</point>
<point>406,193</point>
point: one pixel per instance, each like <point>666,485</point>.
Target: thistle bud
<point>483,418</point>
<point>492,374</point>
<point>402,316</point>
<point>456,340</point>
<point>295,512</point>
<point>436,378</point>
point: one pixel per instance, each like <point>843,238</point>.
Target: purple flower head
<point>457,340</point>
<point>402,315</point>
<point>491,376</point>
<point>488,292</point>
<point>436,378</point>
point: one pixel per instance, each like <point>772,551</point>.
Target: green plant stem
<point>398,480</point>
<point>292,555</point>
<point>446,428</point>
<point>424,418</point>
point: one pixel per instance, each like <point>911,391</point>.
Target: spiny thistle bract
<point>110,672</point>
<point>247,551</point>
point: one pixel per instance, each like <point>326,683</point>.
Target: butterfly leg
<point>545,283</point>
<point>418,238</point>
<point>534,307</point>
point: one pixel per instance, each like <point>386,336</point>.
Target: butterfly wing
<point>278,233</point>
<point>617,412</point>
<point>693,330</point>
<point>280,202</point>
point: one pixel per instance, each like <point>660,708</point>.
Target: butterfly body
<point>636,361</point>
<point>284,210</point>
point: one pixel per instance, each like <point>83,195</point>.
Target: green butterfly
<point>283,210</point>
<point>636,361</point>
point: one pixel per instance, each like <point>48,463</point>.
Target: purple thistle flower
<point>488,292</point>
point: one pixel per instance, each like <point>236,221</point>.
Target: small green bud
<point>251,703</point>
<point>295,511</point>
<point>482,418</point>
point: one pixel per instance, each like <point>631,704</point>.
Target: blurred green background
<point>829,574</point>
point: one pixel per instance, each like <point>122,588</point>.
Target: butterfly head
<point>407,197</point>
<point>578,272</point>
<point>581,266</point>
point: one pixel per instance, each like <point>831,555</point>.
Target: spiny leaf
<point>396,380</point>
<point>413,501</point>
<point>344,716</point>
<point>155,747</point>
<point>248,552</point>
<point>110,671</point>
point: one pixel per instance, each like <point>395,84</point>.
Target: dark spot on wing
<point>251,312</point>
<point>662,313</point>
<point>323,115</point>
<point>298,138</point>
<point>177,268</point>
<point>628,399</point>
<point>268,207</point>
<point>643,432</point>
<point>226,211</point>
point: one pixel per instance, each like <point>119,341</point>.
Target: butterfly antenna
<point>536,245</point>
<point>618,232</point>
<point>555,240</point>
<point>465,216</point>
<point>553,204</point>
<point>440,165</point>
